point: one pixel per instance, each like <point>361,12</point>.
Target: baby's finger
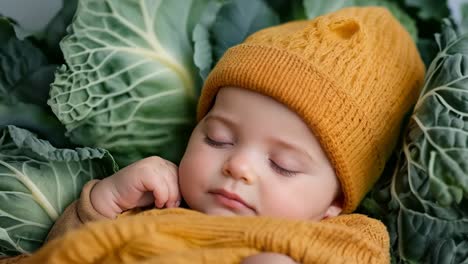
<point>161,194</point>
<point>174,193</point>
<point>158,187</point>
<point>173,185</point>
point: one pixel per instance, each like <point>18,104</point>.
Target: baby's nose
<point>239,168</point>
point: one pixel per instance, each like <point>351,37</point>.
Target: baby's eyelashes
<point>281,170</point>
<point>215,143</point>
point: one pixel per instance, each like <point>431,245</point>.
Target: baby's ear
<point>335,208</point>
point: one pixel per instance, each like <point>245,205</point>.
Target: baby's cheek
<point>187,169</point>
<point>292,202</point>
<point>193,177</point>
<point>192,160</point>
<point>276,201</point>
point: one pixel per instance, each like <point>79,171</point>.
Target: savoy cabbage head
<point>130,84</point>
<point>424,203</point>
<point>37,183</point>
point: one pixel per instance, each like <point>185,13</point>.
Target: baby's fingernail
<point>177,204</point>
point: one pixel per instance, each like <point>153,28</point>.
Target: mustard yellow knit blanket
<point>185,236</point>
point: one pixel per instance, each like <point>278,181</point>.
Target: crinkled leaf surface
<point>37,182</point>
<point>425,203</point>
<point>130,84</point>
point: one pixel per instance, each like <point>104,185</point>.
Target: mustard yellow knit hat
<point>351,75</point>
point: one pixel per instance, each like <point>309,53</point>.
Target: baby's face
<point>251,155</point>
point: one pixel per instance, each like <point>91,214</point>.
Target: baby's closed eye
<point>281,170</point>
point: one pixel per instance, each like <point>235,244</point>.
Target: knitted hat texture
<point>351,75</point>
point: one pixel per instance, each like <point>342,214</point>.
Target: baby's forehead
<point>259,115</point>
<point>245,105</point>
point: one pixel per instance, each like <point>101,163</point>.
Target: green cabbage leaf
<point>225,24</point>
<point>25,77</point>
<point>37,183</point>
<point>130,84</point>
<point>424,203</point>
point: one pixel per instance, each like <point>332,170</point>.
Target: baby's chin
<point>220,211</point>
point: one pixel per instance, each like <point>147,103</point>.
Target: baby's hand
<point>140,184</point>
